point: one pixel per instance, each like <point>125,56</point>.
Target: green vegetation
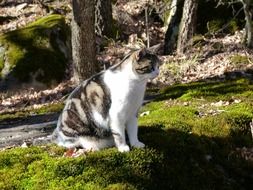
<point>193,135</point>
<point>217,26</point>
<point>35,50</point>
<point>57,107</point>
<point>240,60</point>
<point>198,40</point>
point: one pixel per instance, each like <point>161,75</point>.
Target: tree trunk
<point>187,25</point>
<point>173,22</point>
<point>248,26</point>
<point>83,39</point>
<point>103,18</point>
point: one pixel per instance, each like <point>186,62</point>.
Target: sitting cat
<point>100,110</point>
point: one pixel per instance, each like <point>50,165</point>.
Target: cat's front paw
<point>124,148</point>
<point>138,144</point>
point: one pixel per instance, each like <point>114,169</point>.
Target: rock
<point>36,54</point>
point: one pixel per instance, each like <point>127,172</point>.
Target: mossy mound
<point>37,52</point>
<point>193,135</point>
<point>43,168</point>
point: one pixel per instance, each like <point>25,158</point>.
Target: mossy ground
<point>184,148</point>
<point>51,108</point>
<point>34,49</point>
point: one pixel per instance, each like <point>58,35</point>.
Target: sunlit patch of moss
<point>211,126</point>
<point>24,113</point>
<point>50,108</point>
<point>102,170</point>
<point>177,117</point>
<point>209,90</point>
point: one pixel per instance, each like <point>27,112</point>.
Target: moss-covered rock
<point>36,53</point>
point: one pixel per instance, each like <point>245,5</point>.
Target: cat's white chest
<point>126,94</point>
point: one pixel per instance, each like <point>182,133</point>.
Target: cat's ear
<point>141,53</point>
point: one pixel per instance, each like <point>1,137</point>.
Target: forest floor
<point>197,127</point>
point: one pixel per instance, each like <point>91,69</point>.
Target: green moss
<point>211,91</point>
<point>214,26</point>
<point>95,171</point>
<point>43,110</point>
<point>160,113</point>
<point>217,46</point>
<point>240,60</point>
<point>182,145</point>
<point>34,49</point>
<point>50,108</point>
<point>220,25</point>
<point>232,26</point>
<point>198,40</point>
<point>120,186</point>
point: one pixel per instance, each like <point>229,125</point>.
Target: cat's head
<point>146,64</point>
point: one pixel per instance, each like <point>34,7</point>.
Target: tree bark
<point>173,22</point>
<point>187,25</point>
<point>103,18</point>
<point>83,39</point>
<point>248,26</point>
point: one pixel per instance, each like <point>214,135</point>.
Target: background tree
<point>83,39</point>
<point>103,18</point>
<point>172,23</point>
<point>248,39</point>
<point>248,10</point>
<point>188,25</point>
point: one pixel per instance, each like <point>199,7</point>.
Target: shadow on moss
<point>197,162</point>
<point>212,90</point>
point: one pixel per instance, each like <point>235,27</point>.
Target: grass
<point>187,147</point>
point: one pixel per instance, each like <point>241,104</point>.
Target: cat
<point>99,111</point>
